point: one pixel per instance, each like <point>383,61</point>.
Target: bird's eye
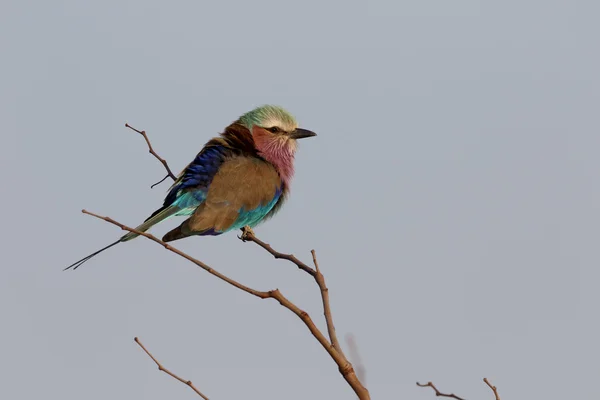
<point>273,129</point>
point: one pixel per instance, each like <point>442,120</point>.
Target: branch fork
<point>452,395</point>
<point>332,345</point>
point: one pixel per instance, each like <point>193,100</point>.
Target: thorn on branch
<point>437,392</point>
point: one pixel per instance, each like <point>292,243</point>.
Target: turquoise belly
<point>253,217</point>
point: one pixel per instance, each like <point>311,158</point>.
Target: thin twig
<point>343,364</point>
<point>326,305</point>
<point>166,371</point>
<point>437,392</point>
<point>492,387</point>
<point>248,236</point>
<point>159,182</point>
<point>151,150</point>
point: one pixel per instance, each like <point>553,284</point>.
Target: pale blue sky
<point>452,196</point>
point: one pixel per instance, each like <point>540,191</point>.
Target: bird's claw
<point>247,232</point>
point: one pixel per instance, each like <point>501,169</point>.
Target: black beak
<point>301,133</point>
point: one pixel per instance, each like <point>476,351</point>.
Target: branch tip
<point>494,389</point>
<point>249,236</point>
<point>314,257</point>
<point>151,151</point>
<point>437,392</point>
<point>166,371</point>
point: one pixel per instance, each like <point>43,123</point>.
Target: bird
<point>239,179</point>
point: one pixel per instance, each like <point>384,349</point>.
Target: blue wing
<point>191,188</point>
<point>243,192</point>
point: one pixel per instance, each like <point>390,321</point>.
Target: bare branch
<point>437,392</point>
<point>166,371</point>
<point>159,158</point>
<point>248,236</point>
<point>257,293</point>
<point>492,387</point>
<point>343,364</point>
<point>320,279</point>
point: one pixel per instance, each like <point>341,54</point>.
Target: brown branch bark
<point>166,371</point>
<point>249,236</point>
<point>492,387</point>
<point>151,151</point>
<point>437,392</point>
<point>320,279</point>
<point>257,293</point>
<point>343,364</point>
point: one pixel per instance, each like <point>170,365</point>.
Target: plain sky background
<point>452,197</point>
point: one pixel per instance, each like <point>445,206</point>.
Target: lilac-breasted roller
<point>239,178</point>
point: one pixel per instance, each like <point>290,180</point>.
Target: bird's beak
<point>300,133</point>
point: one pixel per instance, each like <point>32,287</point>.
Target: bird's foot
<point>247,232</point>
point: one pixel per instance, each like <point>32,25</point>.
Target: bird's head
<point>275,132</point>
<point>274,126</point>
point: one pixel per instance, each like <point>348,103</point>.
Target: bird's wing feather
<point>190,188</point>
<point>242,192</point>
<point>155,218</point>
<point>242,185</point>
